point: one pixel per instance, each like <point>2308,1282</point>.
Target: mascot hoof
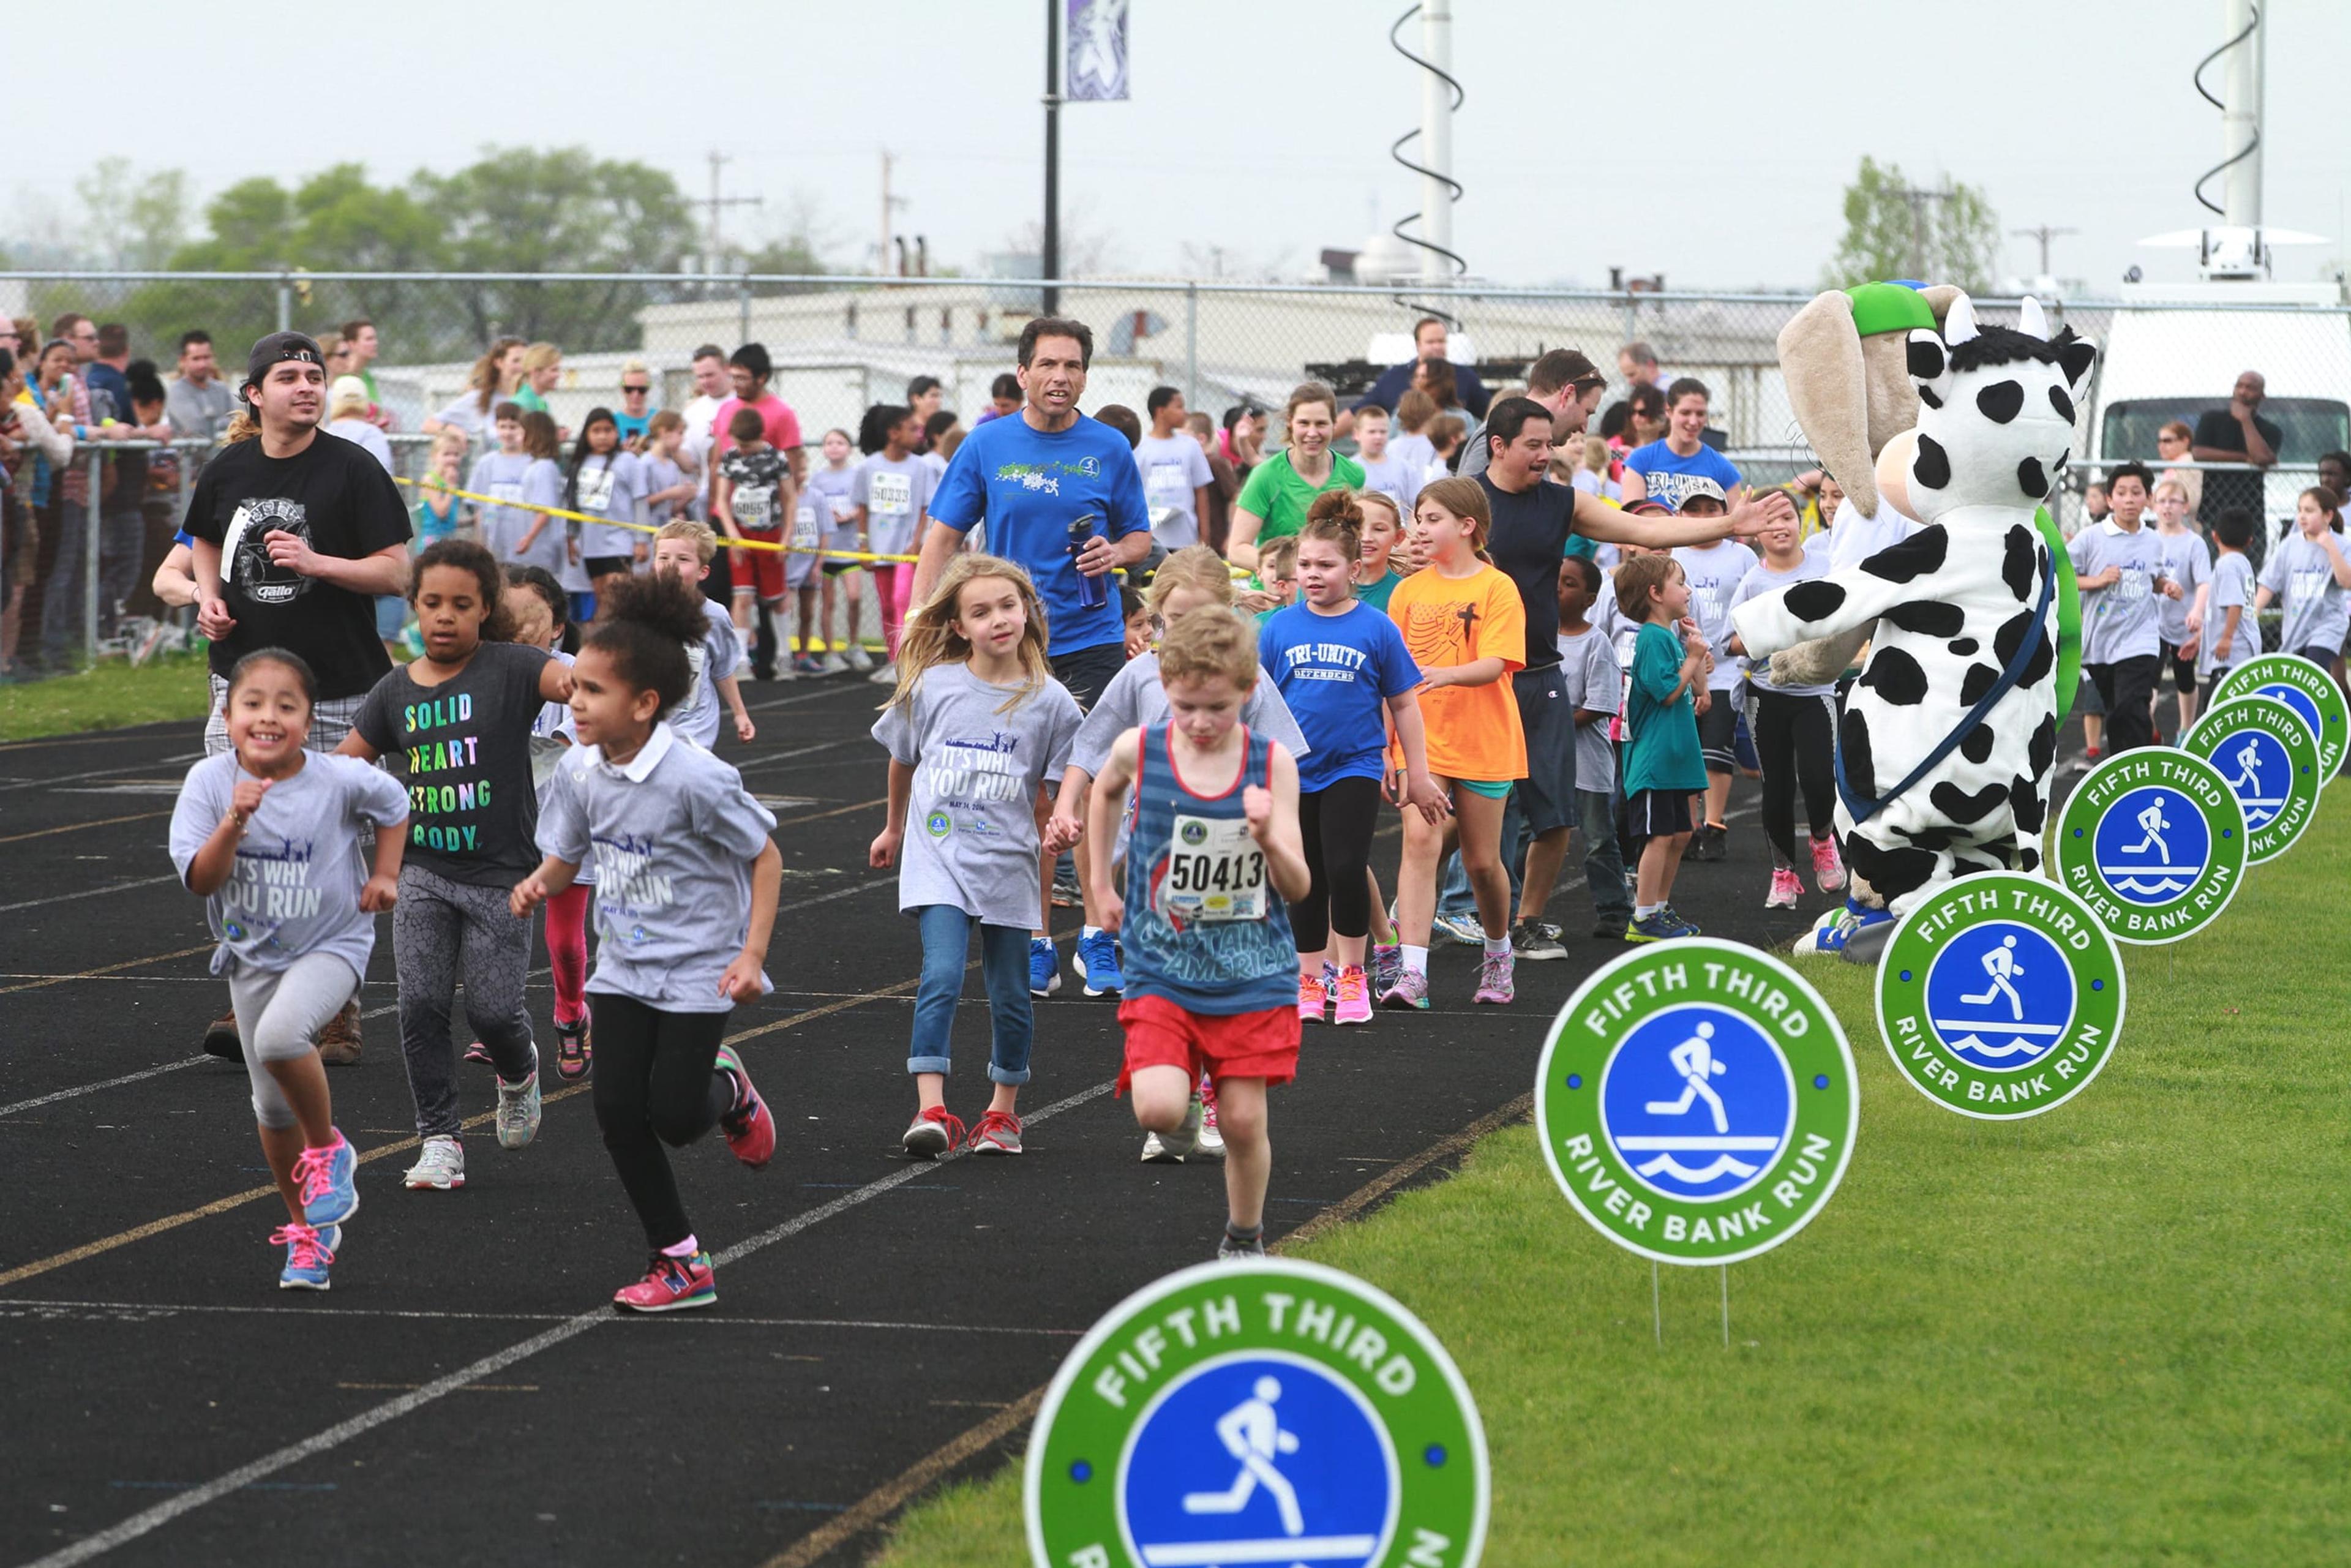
<point>1855,933</point>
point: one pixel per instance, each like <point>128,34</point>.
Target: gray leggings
<point>278,1016</point>
<point>443,931</point>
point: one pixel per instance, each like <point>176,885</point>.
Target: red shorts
<point>765,573</point>
<point>1231,1045</point>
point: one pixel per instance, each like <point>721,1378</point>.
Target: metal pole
<point>1192,346</point>
<point>2241,121</point>
<point>89,567</point>
<point>285,302</point>
<point>1436,139</point>
<point>744,288</point>
<point>1049,262</point>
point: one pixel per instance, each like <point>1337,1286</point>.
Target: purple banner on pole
<point>1094,69</point>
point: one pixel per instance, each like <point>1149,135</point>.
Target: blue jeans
<point>1604,866</point>
<point>1003,964</point>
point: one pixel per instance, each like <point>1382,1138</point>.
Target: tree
<point>134,222</point>
<point>1893,229</point>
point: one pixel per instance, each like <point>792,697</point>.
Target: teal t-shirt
<point>1662,753</point>
<point>1375,593</point>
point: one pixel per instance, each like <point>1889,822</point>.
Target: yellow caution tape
<point>725,541</point>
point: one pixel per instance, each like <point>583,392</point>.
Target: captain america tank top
<point>1204,927</point>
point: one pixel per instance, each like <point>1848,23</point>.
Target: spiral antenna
<point>1430,177</point>
<point>2244,38</point>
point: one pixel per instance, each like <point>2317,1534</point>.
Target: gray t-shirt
<point>500,475</point>
<point>300,866</point>
<point>895,495</point>
<point>826,497</point>
<point>2317,609</point>
<point>2118,620</point>
<point>2232,584</point>
<point>971,827</point>
<point>674,834</point>
<point>465,743</point>
<point>1763,580</point>
<point>1135,699</point>
<point>716,657</point>
<point>1174,468</point>
<point>609,487</point>
<point>1715,573</point>
<point>2188,562</point>
<point>1594,680</point>
<point>199,412</point>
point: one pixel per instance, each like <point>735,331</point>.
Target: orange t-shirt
<point>1473,731</point>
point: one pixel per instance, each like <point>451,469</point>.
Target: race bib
<point>1215,872</point>
<point>751,504</point>
<point>804,528</point>
<point>595,489</point>
<point>888,495</point>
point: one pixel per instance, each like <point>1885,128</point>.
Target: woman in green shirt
<point>1273,503</point>
<point>542,367</point>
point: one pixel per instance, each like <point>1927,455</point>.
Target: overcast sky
<point>1705,139</point>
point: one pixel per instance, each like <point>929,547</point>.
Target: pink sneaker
<point>1495,984</point>
<point>1785,889</point>
<point>670,1285</point>
<point>1310,999</point>
<point>750,1128</point>
<point>1411,990</point>
<point>1355,1004</point>
<point>1828,868</point>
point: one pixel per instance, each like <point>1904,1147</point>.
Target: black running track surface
<point>465,1394</point>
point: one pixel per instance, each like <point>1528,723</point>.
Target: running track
<point>464,1394</point>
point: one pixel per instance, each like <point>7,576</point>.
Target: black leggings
<point>1337,824</point>
<point>1795,738</point>
<point>655,1084</point>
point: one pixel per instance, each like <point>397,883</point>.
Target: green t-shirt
<point>1662,753</point>
<point>1375,594</point>
<point>527,399</point>
<point>1275,493</point>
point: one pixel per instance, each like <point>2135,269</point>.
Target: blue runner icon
<point>2151,844</point>
<point>1697,1100</point>
<point>2259,774</point>
<point>1999,995</point>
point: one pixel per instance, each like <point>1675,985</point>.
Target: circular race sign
<point>2154,841</point>
<point>1263,1412</point>
<point>2000,996</point>
<point>1697,1101</point>
<point>2269,757</point>
<point>2303,686</point>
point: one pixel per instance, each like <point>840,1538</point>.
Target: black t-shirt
<point>1529,536</point>
<point>2222,488</point>
<point>473,814</point>
<point>336,496</point>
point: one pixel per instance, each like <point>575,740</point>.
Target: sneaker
<point>1387,964</point>
<point>1786,888</point>
<point>1186,1139</point>
<point>575,1053</point>
<point>998,1133</point>
<point>1495,981</point>
<point>1710,842</point>
<point>1852,930</point>
<point>1096,963</point>
<point>1155,1152</point>
<point>220,1037</point>
<point>1658,927</point>
<point>1828,866</point>
<point>1463,928</point>
<point>749,1128</point>
<point>338,1042</point>
<point>1212,1137</point>
<point>1044,973</point>
<point>1329,981</point>
<point>1067,894</point>
<point>479,1052</point>
<point>931,1133</point>
<point>1234,1246</point>
<point>307,1254</point>
<point>1604,929</point>
<point>1688,927</point>
<point>1411,990</point>
<point>440,1167</point>
<point>1530,942</point>
<point>887,676</point>
<point>670,1284</point>
<point>517,1117</point>
<point>1310,999</point>
<point>1355,1001</point>
<point>834,664</point>
<point>327,1180</point>
<point>859,659</point>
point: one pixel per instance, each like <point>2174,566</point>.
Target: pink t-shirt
<point>783,424</point>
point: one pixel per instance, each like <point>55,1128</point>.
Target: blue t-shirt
<point>1029,485</point>
<point>1663,471</point>
<point>633,424</point>
<point>1335,674</point>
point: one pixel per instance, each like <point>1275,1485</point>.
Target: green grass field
<point>2120,1332</point>
<point>108,696</point>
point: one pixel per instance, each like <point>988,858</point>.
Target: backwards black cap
<point>278,347</point>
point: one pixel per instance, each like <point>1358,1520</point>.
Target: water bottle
<point>1094,592</point>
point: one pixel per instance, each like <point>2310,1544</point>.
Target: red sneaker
<point>750,1127</point>
<point>670,1284</point>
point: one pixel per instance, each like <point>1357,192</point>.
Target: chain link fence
<point>840,344</point>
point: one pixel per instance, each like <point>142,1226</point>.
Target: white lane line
<point>890,881</point>
<point>10,1307</point>
<point>88,893</point>
<point>147,1520</point>
<point>108,1084</point>
<point>100,772</point>
<point>804,751</point>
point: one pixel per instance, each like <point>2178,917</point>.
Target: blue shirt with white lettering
<point>1335,674</point>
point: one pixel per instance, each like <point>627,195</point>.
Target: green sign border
<point>2073,839</point>
<point>2266,842</point>
<point>2100,992</point>
<point>1586,1034</point>
<point>2312,681</point>
<point>1080,1444</point>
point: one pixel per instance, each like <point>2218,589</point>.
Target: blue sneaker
<point>309,1253</point>
<point>1662,926</point>
<point>1849,931</point>
<point>1044,974</point>
<point>328,1179</point>
<point>1096,963</point>
<point>1462,926</point>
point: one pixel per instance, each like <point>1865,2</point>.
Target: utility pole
<point>2043,233</point>
<point>890,205</point>
<point>1049,262</point>
<point>717,204</point>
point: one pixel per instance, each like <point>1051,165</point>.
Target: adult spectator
<point>1430,341</point>
<point>747,369</point>
<point>497,378</point>
<point>198,403</point>
<point>1567,386</point>
<point>636,410</point>
<point>1175,474</point>
<point>105,372</point>
<point>2172,445</point>
<point>78,333</point>
<point>542,369</point>
<point>360,344</point>
<point>347,416</point>
<point>924,395</point>
<point>1664,467</point>
<point>1273,503</point>
<point>2335,471</point>
<point>293,534</point>
<point>1636,363</point>
<point>712,387</point>
<point>1244,438</point>
<point>1003,399</point>
<point>2237,433</point>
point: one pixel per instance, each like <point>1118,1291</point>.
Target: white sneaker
<point>859,659</point>
<point>440,1167</point>
<point>887,676</point>
<point>517,1113</point>
<point>1155,1152</point>
<point>834,664</point>
<point>1212,1140</point>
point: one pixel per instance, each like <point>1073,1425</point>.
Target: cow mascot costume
<point>1946,742</point>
